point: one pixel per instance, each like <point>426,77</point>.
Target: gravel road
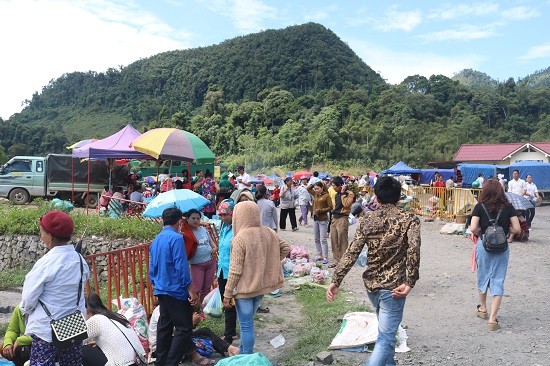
<point>440,310</point>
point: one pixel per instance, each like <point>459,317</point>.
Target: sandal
<point>481,314</point>
<point>494,326</point>
<point>262,310</point>
<point>203,361</point>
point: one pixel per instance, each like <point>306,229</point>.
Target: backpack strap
<point>489,216</point>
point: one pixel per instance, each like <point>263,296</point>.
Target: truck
<point>61,176</point>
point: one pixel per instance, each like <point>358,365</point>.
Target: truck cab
<point>21,178</point>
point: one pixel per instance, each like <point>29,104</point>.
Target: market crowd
<point>188,268</point>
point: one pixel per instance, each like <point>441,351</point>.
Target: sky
<point>40,40</point>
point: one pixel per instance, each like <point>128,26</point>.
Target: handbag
<point>72,328</point>
<point>139,360</point>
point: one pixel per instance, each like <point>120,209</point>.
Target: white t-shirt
<point>245,179</point>
<point>517,186</point>
<point>108,336</point>
<point>532,191</point>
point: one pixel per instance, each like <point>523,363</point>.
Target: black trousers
<point>93,356</point>
<point>176,317</point>
<point>230,314</point>
<point>529,215</point>
<point>291,212</point>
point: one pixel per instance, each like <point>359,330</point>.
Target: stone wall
<point>24,250</point>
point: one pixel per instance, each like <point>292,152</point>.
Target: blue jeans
<point>246,308</point>
<point>389,312</point>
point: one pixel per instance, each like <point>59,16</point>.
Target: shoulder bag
<point>139,360</point>
<point>72,328</point>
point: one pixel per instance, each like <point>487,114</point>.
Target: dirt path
<point>439,314</point>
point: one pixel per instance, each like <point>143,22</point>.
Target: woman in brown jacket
<point>254,267</point>
<point>322,205</point>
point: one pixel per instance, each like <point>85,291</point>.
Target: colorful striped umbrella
<point>173,144</point>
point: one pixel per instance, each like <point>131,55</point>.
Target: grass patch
<point>23,220</point>
<point>320,324</point>
<point>12,277</point>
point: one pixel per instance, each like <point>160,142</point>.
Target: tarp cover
<point>62,170</point>
<point>538,170</point>
<point>470,172</point>
<point>427,175</point>
<point>116,146</point>
<point>401,168</point>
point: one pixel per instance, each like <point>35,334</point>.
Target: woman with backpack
<point>493,209</point>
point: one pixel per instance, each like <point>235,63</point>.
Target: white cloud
<point>452,12</point>
<point>520,13</point>
<point>247,15</point>
<point>395,20</point>
<point>320,14</point>
<point>395,66</point>
<point>464,33</point>
<point>45,38</point>
<point>540,51</point>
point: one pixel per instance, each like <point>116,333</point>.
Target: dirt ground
<point>439,313</point>
<point>440,310</point>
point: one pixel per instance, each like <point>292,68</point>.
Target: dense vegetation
<point>292,97</point>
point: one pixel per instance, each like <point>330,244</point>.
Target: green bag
<point>255,359</point>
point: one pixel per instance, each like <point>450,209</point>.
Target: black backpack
<point>494,239</point>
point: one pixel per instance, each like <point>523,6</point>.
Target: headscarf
<point>226,207</point>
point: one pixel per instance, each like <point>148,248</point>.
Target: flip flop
<point>481,314</point>
<point>203,361</point>
<point>494,326</point>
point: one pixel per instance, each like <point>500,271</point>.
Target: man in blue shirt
<point>171,278</point>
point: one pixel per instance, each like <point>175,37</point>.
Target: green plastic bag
<point>255,359</point>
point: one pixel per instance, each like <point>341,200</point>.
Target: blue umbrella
<point>184,199</point>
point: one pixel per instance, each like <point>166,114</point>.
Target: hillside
<point>300,59</point>
<point>475,79</point>
<point>539,79</point>
<point>295,97</point>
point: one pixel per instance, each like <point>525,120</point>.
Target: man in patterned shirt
<point>392,237</point>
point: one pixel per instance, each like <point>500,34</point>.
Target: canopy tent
<point>114,146</point>
<point>400,169</point>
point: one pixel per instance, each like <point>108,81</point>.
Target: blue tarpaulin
<point>470,172</point>
<point>427,175</point>
<point>539,171</point>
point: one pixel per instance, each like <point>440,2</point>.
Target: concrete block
<point>325,357</point>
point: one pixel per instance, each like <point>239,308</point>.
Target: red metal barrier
<point>125,272</point>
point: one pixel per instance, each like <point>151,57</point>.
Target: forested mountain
<point>291,97</point>
<point>538,79</point>
<point>475,80</point>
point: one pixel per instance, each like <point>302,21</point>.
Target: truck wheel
<point>19,196</point>
<point>90,201</point>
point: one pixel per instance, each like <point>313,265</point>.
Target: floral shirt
<point>392,237</point>
<point>208,189</point>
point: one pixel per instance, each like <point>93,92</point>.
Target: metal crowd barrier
<point>444,203</point>
<point>125,272</point>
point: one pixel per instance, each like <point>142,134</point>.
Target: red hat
<point>57,223</point>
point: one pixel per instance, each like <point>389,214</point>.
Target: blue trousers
<point>390,313</point>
